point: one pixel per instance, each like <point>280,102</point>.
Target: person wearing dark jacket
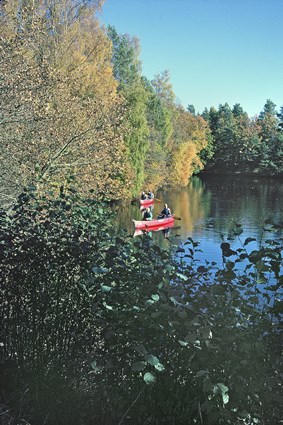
<point>143,196</point>
<point>147,215</point>
<point>166,212</point>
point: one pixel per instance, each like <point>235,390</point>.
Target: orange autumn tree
<point>177,136</point>
<point>189,138</point>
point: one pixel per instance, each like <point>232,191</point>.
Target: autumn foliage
<point>188,140</point>
<point>75,103</point>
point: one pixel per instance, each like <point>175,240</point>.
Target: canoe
<point>146,202</point>
<point>164,228</point>
<point>153,224</point>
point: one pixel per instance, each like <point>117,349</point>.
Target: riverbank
<point>239,172</point>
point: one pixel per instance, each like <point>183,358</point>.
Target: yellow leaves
<point>188,139</point>
<point>88,58</point>
<point>60,89</point>
<point>50,123</point>
<point>182,165</point>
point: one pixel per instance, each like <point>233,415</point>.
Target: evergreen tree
<point>269,109</point>
<point>234,138</point>
<point>238,111</point>
<point>191,109</point>
<point>205,114</point>
<point>280,117</point>
<point>270,151</point>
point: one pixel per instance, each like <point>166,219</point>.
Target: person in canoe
<point>147,215</point>
<point>150,195</point>
<point>166,212</point>
<point>143,196</point>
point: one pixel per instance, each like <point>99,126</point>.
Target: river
<point>210,207</point>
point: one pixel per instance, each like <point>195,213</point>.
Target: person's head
<point>165,206</point>
<point>148,210</point>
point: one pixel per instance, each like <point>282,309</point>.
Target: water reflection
<point>210,207</point>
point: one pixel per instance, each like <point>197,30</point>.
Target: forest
<point>97,327</point>
<point>75,104</point>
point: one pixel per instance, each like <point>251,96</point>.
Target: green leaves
<point>226,249</point>
<point>154,361</point>
<point>99,270</point>
<point>107,306</point>
<point>155,297</point>
<point>151,359</point>
<point>225,398</point>
<point>102,295</point>
<point>244,144</point>
<point>249,240</point>
<point>183,343</point>
<point>96,366</point>
<point>201,373</point>
<point>149,378</point>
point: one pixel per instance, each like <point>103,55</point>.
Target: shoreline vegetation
<point>106,329</point>
<point>244,173</point>
<point>97,327</point>
<point>78,110</point>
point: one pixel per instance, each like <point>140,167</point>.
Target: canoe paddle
<point>135,200</point>
<point>175,218</point>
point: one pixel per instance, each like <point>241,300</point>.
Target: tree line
<point>75,106</point>
<point>243,143</point>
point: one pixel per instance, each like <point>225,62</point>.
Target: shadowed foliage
<point>100,328</point>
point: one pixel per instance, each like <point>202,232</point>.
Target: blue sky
<point>217,51</point>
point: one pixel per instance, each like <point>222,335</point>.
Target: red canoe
<point>153,224</point>
<point>146,202</point>
<point>139,232</point>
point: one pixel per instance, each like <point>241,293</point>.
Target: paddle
<point>177,218</point>
<point>133,201</point>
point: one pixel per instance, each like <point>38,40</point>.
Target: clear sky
<point>217,51</point>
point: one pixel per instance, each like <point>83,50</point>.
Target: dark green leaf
<point>149,378</point>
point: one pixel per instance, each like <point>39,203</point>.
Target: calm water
<point>209,208</point>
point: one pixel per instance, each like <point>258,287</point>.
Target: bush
<point>102,328</point>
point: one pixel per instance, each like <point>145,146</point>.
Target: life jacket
<point>166,212</point>
<point>147,215</point>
